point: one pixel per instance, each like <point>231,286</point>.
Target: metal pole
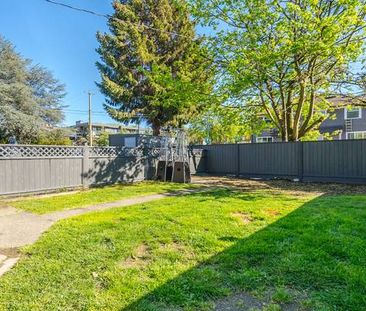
<point>166,156</point>
<point>90,120</point>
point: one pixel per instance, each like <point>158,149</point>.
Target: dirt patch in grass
<point>139,258</point>
<point>243,217</point>
<point>10,252</point>
<point>273,212</point>
<point>280,186</point>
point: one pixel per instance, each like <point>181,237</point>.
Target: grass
<point>188,253</point>
<point>95,196</point>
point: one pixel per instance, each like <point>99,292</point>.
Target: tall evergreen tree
<point>152,65</point>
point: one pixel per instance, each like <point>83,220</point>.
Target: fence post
<point>85,167</point>
<point>238,161</point>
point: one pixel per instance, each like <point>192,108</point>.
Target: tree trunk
<point>156,129</point>
<point>292,138</point>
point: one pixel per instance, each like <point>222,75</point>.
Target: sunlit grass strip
<point>96,196</point>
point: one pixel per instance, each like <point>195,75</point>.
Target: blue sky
<point>63,41</point>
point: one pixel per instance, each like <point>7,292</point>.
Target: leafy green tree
<point>102,140</point>
<point>30,97</point>
<point>18,109</point>
<point>81,141</point>
<point>153,67</point>
<point>288,56</point>
<point>48,93</point>
<point>54,137</point>
<point>224,124</point>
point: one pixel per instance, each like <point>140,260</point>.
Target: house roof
<point>107,125</point>
<point>342,101</point>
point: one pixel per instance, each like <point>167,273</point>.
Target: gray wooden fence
<point>324,161</point>
<point>25,168</point>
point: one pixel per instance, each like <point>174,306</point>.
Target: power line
<point>81,111</point>
<point>71,111</point>
<point>76,8</point>
<point>98,113</point>
<point>107,16</point>
<point>75,111</point>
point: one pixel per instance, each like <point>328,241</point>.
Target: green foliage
<point>48,93</point>
<point>102,140</point>
<point>219,125</point>
<point>18,109</point>
<point>54,137</point>
<point>81,141</point>
<point>153,67</point>
<point>286,55</point>
<point>30,97</point>
<point>224,124</point>
<point>281,295</point>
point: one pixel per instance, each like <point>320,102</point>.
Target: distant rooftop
<point>109,125</point>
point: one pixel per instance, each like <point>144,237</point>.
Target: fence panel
<point>28,175</point>
<point>326,161</point>
<point>26,168</point>
<point>222,159</point>
<point>109,165</point>
<point>197,160</point>
<point>269,160</point>
<point>108,170</point>
<point>342,161</point>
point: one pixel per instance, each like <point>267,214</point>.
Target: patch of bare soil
<point>246,302</point>
<point>139,258</point>
<point>10,252</point>
<point>279,186</point>
<point>273,212</point>
<point>243,217</point>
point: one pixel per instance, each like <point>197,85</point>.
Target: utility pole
<point>90,119</point>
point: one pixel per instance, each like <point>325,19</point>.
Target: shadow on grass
<point>317,252</point>
<point>224,194</point>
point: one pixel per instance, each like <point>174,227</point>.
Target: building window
<point>264,139</point>
<point>352,113</point>
<point>356,135</point>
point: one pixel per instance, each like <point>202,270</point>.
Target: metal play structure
<point>173,161</point>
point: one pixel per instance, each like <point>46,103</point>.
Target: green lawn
<point>192,252</point>
<point>95,196</point>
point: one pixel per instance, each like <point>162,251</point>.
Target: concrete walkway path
<point>19,228</point>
